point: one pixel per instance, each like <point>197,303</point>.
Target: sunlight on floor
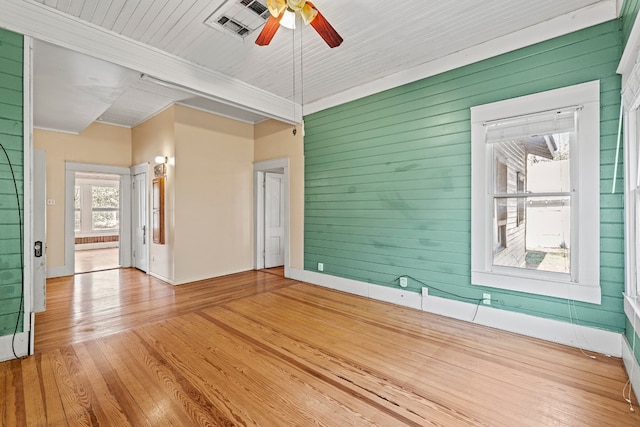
<point>96,259</point>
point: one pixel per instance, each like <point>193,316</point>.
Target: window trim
<point>585,284</point>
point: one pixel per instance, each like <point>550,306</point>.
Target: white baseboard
<point>57,271</point>
<point>592,339</point>
<point>631,365</point>
<point>21,346</point>
<point>164,279</point>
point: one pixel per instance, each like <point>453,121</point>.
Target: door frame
<point>125,211</point>
<point>259,169</point>
<point>136,170</point>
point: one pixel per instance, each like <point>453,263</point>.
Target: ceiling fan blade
<point>326,31</point>
<point>268,31</point>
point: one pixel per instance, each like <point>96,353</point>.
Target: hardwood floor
<point>96,260</point>
<point>121,348</point>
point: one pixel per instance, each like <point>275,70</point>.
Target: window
<point>97,204</point>
<point>632,200</point>
<point>535,194</point>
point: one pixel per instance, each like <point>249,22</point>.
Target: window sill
<point>545,287</point>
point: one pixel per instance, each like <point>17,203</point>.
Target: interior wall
<point>275,140</point>
<point>388,177</point>
<point>99,144</point>
<point>156,137</point>
<point>11,138</point>
<point>214,195</point>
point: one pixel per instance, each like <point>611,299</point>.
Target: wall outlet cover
<point>486,298</point>
<point>320,266</point>
<point>403,282</point>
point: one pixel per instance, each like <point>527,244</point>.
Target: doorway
<point>97,218</point>
<point>96,221</point>
<point>272,214</point>
<point>274,218</point>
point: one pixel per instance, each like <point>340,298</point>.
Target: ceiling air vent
<point>239,17</point>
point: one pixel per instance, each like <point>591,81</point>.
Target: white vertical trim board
<point>591,339</point>
<point>27,208</point>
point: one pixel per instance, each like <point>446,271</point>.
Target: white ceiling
<point>379,42</point>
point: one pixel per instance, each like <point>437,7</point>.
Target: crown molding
<point>586,17</point>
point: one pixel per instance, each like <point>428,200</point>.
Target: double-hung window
<point>97,205</point>
<point>535,193</point>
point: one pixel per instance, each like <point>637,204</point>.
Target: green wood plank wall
<point>388,177</point>
<point>11,131</point>
<point>629,12</point>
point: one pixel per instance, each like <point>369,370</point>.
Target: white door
<point>140,226</point>
<point>273,219</point>
<point>39,288</point>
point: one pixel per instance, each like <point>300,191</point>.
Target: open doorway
<point>272,215</point>
<point>97,217</point>
<point>96,221</point>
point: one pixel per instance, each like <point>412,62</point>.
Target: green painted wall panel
<point>388,177</point>
<point>10,67</point>
<point>629,12</point>
<point>11,130</point>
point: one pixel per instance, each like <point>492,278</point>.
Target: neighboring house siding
<point>512,156</point>
<point>388,177</point>
<point>11,130</point>
<point>629,12</point>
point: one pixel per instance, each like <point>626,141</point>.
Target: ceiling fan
<point>309,14</point>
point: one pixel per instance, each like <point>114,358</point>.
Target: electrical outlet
<point>486,298</point>
<point>320,266</point>
<point>403,282</point>
<point>425,292</point>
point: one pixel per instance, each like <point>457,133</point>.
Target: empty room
<point>279,212</point>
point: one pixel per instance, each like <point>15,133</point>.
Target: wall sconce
<point>160,169</point>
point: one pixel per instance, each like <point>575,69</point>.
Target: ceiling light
<point>288,20</point>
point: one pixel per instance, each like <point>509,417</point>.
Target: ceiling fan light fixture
<point>288,20</point>
<point>308,13</point>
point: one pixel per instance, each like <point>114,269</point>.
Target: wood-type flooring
<point>120,348</point>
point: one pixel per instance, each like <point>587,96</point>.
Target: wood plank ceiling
<point>380,40</point>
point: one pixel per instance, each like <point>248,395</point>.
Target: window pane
<point>77,221</point>
<point>76,197</point>
<point>541,241</point>
<point>105,220</point>
<point>548,169</point>
<point>104,197</point>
